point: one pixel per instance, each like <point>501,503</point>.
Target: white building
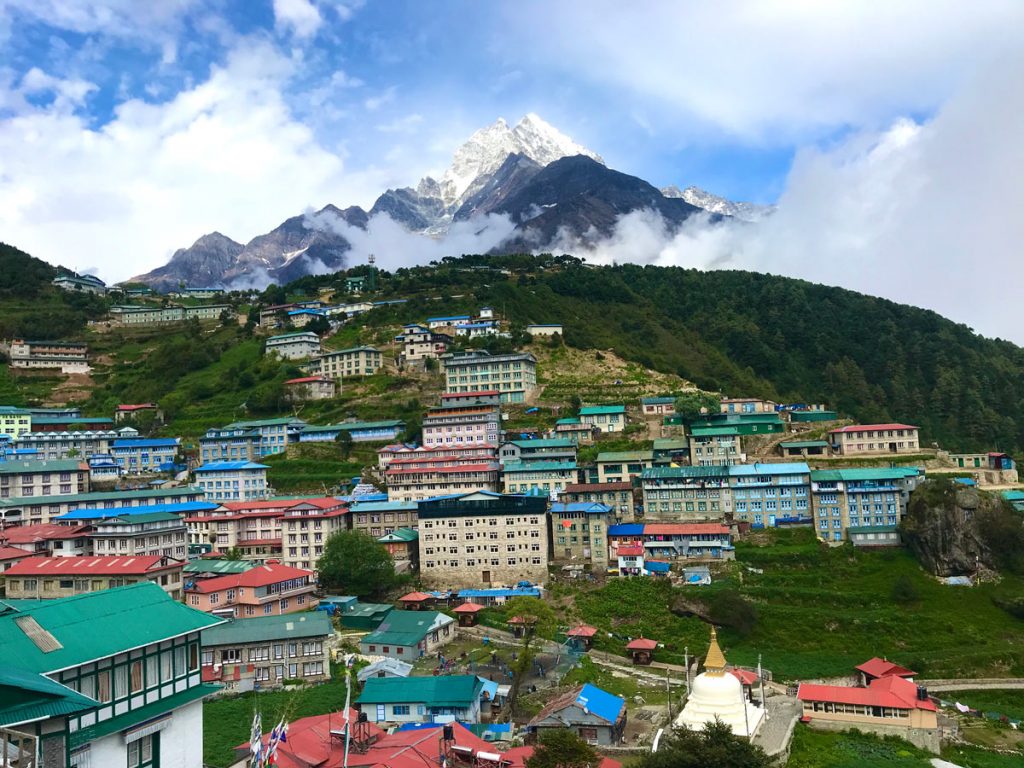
<point>294,346</point>
<point>233,480</point>
<point>108,678</point>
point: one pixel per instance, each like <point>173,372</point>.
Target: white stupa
<point>717,693</point>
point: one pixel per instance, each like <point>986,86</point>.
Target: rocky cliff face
<point>947,527</point>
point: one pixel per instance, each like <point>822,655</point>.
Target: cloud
<point>407,124</point>
<point>923,213</point>
<point>763,72</point>
<point>226,154</point>
<point>301,17</point>
<point>373,103</point>
<point>395,247</point>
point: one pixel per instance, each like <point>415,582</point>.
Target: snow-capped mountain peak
<point>484,152</point>
<point>714,204</point>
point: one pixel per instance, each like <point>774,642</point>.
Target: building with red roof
<point>49,539</point>
<point>266,590</point>
<point>467,614</point>
<point>10,556</point>
<point>642,650</point>
<point>889,705</point>
<point>861,439</point>
<point>311,388</point>
<point>52,577</point>
<point>582,634</point>
<point>415,601</point>
<point>875,668</point>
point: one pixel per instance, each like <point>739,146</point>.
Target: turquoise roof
<point>443,691</point>
<point>400,534</point>
<point>51,465</point>
<point>540,466</point>
<point>95,625</point>
<point>102,496</point>
<point>266,628</point>
<point>406,628</point>
<point>620,456</point>
<point>27,696</point>
<point>352,426</point>
<point>597,410</point>
<point>554,442</point>
<point>862,473</point>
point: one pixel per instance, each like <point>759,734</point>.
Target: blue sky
<point>129,129</point>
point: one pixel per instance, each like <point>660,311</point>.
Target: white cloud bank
<point>928,214</point>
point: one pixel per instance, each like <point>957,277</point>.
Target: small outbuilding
<point>468,614</point>
<point>642,650</point>
<point>582,636</point>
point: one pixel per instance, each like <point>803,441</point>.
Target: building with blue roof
<point>597,716</point>
<point>449,321</point>
<point>497,596</point>
<point>233,480</point>
<point>91,514</point>
<point>551,477</point>
<point>144,455</point>
<point>768,495</point>
<point>30,510</point>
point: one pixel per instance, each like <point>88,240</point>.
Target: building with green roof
<point>421,699</point>
<point>360,431</point>
<point>619,466</point>
<point>607,418</point>
<point>407,635</point>
<point>31,510</point>
<point>546,477</point>
<point>106,677</point>
<point>365,616</point>
<point>267,650</point>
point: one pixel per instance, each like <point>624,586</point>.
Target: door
<point>380,713</point>
<point>485,577</point>
<point>892,447</point>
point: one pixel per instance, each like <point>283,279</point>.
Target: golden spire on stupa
<point>714,662</point>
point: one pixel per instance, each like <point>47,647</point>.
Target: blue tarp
<point>605,705</point>
<point>626,529</point>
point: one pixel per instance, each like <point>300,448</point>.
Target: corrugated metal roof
<point>262,628</point>
<point>27,696</point>
<point>95,625</point>
<point>600,410</point>
<point>449,690</point>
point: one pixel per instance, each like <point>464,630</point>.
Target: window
<point>103,686</point>
<point>144,752</point>
<point>136,676</point>
<point>401,709</point>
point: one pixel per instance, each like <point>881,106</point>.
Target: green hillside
<point>740,333</point>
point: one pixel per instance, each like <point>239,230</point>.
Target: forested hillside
<point>740,333</point>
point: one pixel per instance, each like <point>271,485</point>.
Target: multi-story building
<point>549,477</point>
<point>513,375</point>
<point>389,453</point>
<point>850,503</point>
<point>559,449</point>
<point>46,578</point>
<point>230,444</point>
<point>15,422</point>
<point>306,527</point>
<point>64,445</point>
<point>862,439</point>
<point>622,466</point>
<point>483,538</point>
<point>25,479</point>
<point>49,539</point>
<point>419,344</point>
<point>419,477</point>
<point>433,323</point>
<point>136,316</point>
<point>766,495</point>
<point>294,346</point>
<point>233,480</point>
<point>83,507</point>
<point>266,590</point>
<point>153,533</point>
<point>275,434</point>
<point>672,541</point>
<point>125,691</point>
<point>685,493</point>
<point>715,446</point>
<point>252,527</point>
<point>579,531</point>
<point>360,431</point>
<point>144,455</point>
<point>267,650</point>
<point>356,361</point>
<point>68,356</point>
<point>311,388</point>
<point>618,496</point>
<point>658,406</point>
<point>381,518</point>
<point>607,418</point>
<point>69,423</point>
<point>81,284</point>
<point>463,423</point>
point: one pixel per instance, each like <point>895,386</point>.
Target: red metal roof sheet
<point>877,667</point>
<point>583,630</point>
<point>260,576</point>
<point>136,565</point>
<point>642,644</point>
<point>871,427</point>
<point>666,529</point>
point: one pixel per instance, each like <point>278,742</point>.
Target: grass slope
<point>823,611</point>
